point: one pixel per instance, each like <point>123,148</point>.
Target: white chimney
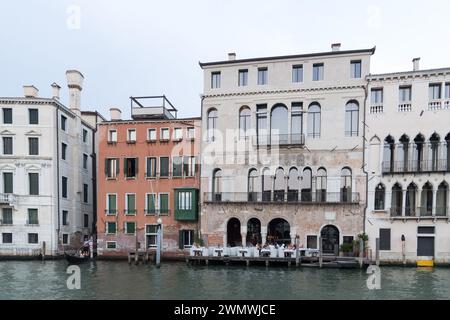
<point>55,89</point>
<point>416,66</point>
<point>75,84</point>
<point>231,56</point>
<point>335,47</point>
<point>30,91</point>
<point>115,114</point>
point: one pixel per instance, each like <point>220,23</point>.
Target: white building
<point>408,160</point>
<point>46,171</point>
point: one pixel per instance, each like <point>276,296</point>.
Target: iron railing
<point>397,212</point>
<point>157,212</point>
<point>7,198</point>
<point>279,139</point>
<point>440,165</point>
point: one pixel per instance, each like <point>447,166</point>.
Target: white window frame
<point>191,165</point>
<point>180,136</point>
<point>265,79</point>
<point>187,246</point>
<point>188,130</point>
<point>114,175</point>
<point>115,243</point>
<point>126,203</point>
<point>107,204</point>
<point>149,136</point>
<point>352,69</point>
<point>129,138</point>
<point>146,203</point>
<point>318,65</point>
<point>106,227</point>
<point>296,67</point>
<point>67,238</point>
<point>151,234</point>
<point>216,75</point>
<point>110,136</point>
<point>125,227</point>
<point>187,200</point>
<point>161,135</point>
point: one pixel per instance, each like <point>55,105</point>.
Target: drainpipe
<point>94,181</point>
<point>200,171</point>
<point>364,154</point>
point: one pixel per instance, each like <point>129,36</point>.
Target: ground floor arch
<point>330,239</point>
<point>278,231</point>
<point>253,231</point>
<point>234,232</point>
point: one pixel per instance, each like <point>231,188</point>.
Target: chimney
<point>115,114</point>
<point>75,84</point>
<point>416,66</point>
<point>335,47</point>
<point>30,91</point>
<point>55,90</point>
<point>231,56</point>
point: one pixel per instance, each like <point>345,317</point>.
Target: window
<point>217,185</point>
<point>33,116</point>
<point>65,238</point>
<point>33,216</point>
<point>317,71</point>
<point>7,182</point>
<point>33,182</point>
<point>64,187</point>
<point>177,166</point>
<point>296,122</point>
<point>131,135</point>
<point>130,227</point>
<point>7,116</point>
<point>33,238</point>
<point>164,167</point>
<point>177,133</point>
<point>215,80</point>
<point>435,91</point>
<point>346,185</point>
<point>351,119</point>
<point>151,134</point>
<point>376,96</point>
<point>7,217</point>
<point>151,231</point>
<point>243,77</point>
<point>380,192</point>
<point>297,73</point>
<point>111,204</point>
<point>404,94</point>
<point>321,185</point>
<point>279,124</point>
<point>355,69</point>
<point>131,204</point>
<point>112,136</point>
<point>111,227</point>
<point>111,245</point>
<point>165,135</point>
<point>425,230</point>
<point>150,203</point>
<point>85,220</point>
<point>191,133</point>
<point>151,167</point>
<point>85,193</point>
<point>85,161</point>
<point>186,239</point>
<point>184,201</point>
<point>131,167</point>
<point>262,76</point>
<point>111,168</point>
<point>244,122</point>
<point>7,145</point>
<point>7,238</point>
<point>33,146</point>
<point>163,203</point>
<point>63,123</point>
<point>211,124</point>
<point>311,242</point>
<point>63,151</point>
<point>65,218</point>
<point>447,91</point>
<point>85,135</point>
<point>385,239</point>
<point>261,123</point>
<point>314,120</point>
<point>189,166</point>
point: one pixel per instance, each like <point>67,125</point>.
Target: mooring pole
<point>320,252</point>
<point>377,252</point>
<point>403,249</point>
<point>297,258</point>
<point>158,244</point>
<point>361,253</point>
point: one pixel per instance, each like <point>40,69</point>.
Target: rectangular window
<point>215,80</point>
<point>111,245</point>
<point>33,146</point>
<point>385,239</point>
<point>64,187</point>
<point>435,91</point>
<point>447,91</point>
<point>355,69</point>
<point>177,164</point>
<point>150,204</point>
<point>85,161</point>
<point>311,242</point>
<point>130,227</point>
<point>165,134</point>
<point>63,123</point>
<point>111,168</point>
<point>33,182</point>
<point>184,201</point>
<point>7,116</point>
<point>7,217</point>
<point>112,136</point>
<point>425,230</point>
<point>151,231</point>
<point>186,239</point>
<point>131,135</point>
<point>86,220</point>
<point>65,238</point>
<point>191,133</point>
<point>151,134</point>
<point>189,166</point>
<point>7,238</point>
<point>297,73</point>
<point>85,135</point>
<point>85,193</point>
<point>404,93</point>
<point>151,167</point>
<point>111,227</point>
<point>376,96</point>
<point>261,123</point>
<point>33,216</point>
<point>63,151</point>
<point>296,122</point>
<point>262,76</point>
<point>243,77</point>
<point>131,167</point>
<point>131,204</point>
<point>177,133</point>
<point>7,145</point>
<point>164,167</point>
<point>33,116</point>
<point>8,182</point>
<point>163,203</point>
<point>33,238</point>
<point>318,71</point>
<point>111,204</point>
<point>65,218</point>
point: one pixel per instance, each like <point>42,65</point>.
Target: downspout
<point>364,154</point>
<point>200,169</point>
<point>94,182</point>
<point>57,177</point>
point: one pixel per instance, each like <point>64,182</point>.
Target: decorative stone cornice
<point>425,74</point>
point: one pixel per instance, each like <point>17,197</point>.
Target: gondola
<point>75,259</point>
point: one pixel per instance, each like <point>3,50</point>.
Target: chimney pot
<point>115,114</point>
<point>335,47</point>
<point>30,91</point>
<point>416,66</point>
<point>55,88</point>
<point>232,56</point>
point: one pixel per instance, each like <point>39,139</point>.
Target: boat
<point>75,259</point>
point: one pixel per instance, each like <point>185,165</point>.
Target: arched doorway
<point>330,239</point>
<point>234,232</point>
<point>253,231</point>
<point>278,231</point>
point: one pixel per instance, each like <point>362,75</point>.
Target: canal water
<point>118,280</point>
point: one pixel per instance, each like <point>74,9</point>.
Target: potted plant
<point>361,237</point>
<point>346,249</point>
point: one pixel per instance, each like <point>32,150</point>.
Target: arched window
<point>442,199</point>
<point>307,185</point>
<point>217,185</point>
<point>321,185</point>
<point>419,141</point>
<point>266,185</point>
<point>434,152</point>
<point>279,185</point>
<point>380,193</point>
<point>252,185</point>
<point>351,119</point>
<point>244,122</point>
<point>297,123</point>
<point>447,152</point>
<point>314,120</point>
<point>279,125</point>
<point>396,200</point>
<point>388,154</point>
<point>293,185</point>
<point>403,153</point>
<point>346,185</point>
<point>426,200</point>
<point>212,124</point>
<point>410,201</point>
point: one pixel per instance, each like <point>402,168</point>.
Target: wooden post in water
<point>403,250</point>
<point>361,253</point>
<point>43,250</point>
<point>377,251</point>
<point>297,253</point>
<point>320,252</point>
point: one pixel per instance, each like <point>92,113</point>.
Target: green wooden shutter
<point>181,239</point>
<point>117,166</point>
<point>150,203</point>
<point>131,202</point>
<point>106,167</point>
<point>164,203</point>
<point>137,162</point>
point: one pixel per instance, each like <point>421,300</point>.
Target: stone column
<point>225,238</point>
<point>403,202</point>
<point>388,200</point>
<point>263,235</point>
<point>433,212</point>
<point>243,235</point>
<point>418,202</point>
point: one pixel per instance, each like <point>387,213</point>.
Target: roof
<point>409,73</point>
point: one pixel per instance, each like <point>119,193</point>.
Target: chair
<point>281,252</point>
<point>205,252</point>
<point>213,252</point>
<point>191,251</point>
<point>273,252</point>
<point>249,252</point>
<point>226,252</point>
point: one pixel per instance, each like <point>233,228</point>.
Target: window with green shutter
<point>33,146</point>
<point>112,205</point>
<point>151,203</point>
<point>130,227</point>
<point>163,203</point>
<point>177,164</point>
<point>111,227</point>
<point>33,116</point>
<point>7,145</point>
<point>131,204</point>
<point>33,216</point>
<point>33,179</point>
<point>7,182</point>
<point>7,116</point>
<point>7,217</point>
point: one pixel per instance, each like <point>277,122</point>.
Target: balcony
<point>110,212</point>
<point>280,196</point>
<point>419,212</point>
<point>152,107</point>
<point>157,212</point>
<point>375,109</point>
<point>279,140</point>
<point>8,199</point>
<point>404,107</point>
<point>441,165</point>
<point>435,105</point>
<point>130,212</point>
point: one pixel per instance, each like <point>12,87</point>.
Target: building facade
<point>408,158</point>
<point>47,172</point>
<point>282,149</point>
<point>148,170</point>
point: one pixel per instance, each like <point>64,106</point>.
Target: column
<point>388,200</point>
<point>434,201</point>
<point>263,234</point>
<point>418,202</point>
<point>243,235</point>
<point>286,180</point>
<point>225,238</point>
<point>403,202</point>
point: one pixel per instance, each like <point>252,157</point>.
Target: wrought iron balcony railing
<point>440,165</point>
<point>279,139</point>
<point>397,212</point>
<point>157,212</point>
<point>7,198</point>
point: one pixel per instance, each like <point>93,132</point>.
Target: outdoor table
<point>243,252</point>
<point>288,253</point>
<point>219,251</point>
<point>265,252</point>
<point>198,252</point>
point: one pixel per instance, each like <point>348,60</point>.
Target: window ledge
<point>151,140</point>
<point>112,142</point>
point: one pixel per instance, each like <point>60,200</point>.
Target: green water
<point>118,280</point>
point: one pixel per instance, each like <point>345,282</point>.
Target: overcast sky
<point>134,47</point>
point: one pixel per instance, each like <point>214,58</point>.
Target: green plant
<point>346,247</point>
<point>198,239</point>
<point>363,236</point>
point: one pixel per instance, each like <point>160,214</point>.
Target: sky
<point>141,47</point>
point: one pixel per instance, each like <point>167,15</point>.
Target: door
<point>330,240</point>
<point>425,246</point>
